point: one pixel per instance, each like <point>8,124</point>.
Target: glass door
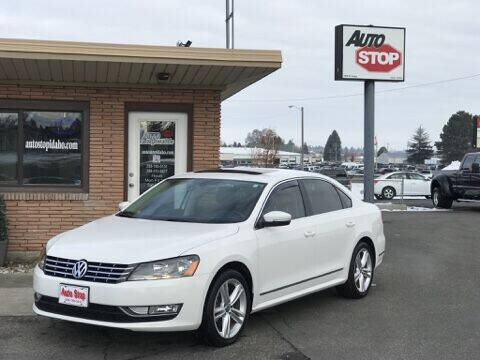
<point>157,149</point>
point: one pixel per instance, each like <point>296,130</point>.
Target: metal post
<point>301,153</point>
<point>227,17</point>
<point>368,147</point>
<point>233,27</point>
<point>403,187</point>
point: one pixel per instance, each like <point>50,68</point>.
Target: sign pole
<point>368,141</point>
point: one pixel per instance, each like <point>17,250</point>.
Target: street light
<point>301,146</point>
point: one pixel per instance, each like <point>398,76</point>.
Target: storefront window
<point>41,148</point>
<point>8,148</point>
<point>52,148</point>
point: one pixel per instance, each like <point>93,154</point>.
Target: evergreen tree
<point>419,148</point>
<point>333,148</point>
<point>456,137</point>
<point>290,146</point>
<point>305,149</point>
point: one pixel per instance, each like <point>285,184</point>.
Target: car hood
<point>121,240</point>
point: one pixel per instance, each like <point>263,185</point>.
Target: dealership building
<point>84,126</point>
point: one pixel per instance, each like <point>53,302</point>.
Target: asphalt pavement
<point>424,305</point>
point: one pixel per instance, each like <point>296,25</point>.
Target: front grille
<point>97,272</point>
<point>93,311</point>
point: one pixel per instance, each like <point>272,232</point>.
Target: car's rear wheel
<point>388,193</point>
<point>360,274</point>
<point>441,200</point>
<point>227,309</point>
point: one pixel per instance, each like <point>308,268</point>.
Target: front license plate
<point>73,295</point>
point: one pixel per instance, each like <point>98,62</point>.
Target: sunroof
<point>233,170</point>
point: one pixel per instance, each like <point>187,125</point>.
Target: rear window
<point>346,201</point>
<point>322,196</point>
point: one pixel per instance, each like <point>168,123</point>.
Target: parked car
<point>457,185</point>
<point>427,173</point>
<point>203,250</point>
<point>390,185</point>
<point>338,174</point>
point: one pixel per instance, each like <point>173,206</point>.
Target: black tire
<point>350,289</point>
<point>208,330</point>
<point>441,200</point>
<point>378,197</point>
<point>388,193</point>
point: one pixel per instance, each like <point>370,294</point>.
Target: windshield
<point>197,200</point>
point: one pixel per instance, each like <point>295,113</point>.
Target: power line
<point>361,94</point>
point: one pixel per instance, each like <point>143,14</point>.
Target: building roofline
<point>89,51</point>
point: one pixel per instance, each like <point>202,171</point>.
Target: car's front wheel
<point>441,200</point>
<point>360,274</point>
<point>227,308</point>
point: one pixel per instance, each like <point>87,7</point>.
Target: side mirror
<point>276,218</point>
<point>475,168</point>
<point>123,205</point>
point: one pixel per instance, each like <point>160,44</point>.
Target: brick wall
<point>33,218</point>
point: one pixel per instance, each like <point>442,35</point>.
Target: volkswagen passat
<point>204,250</point>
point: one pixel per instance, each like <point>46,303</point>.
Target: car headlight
<point>166,269</point>
<point>41,259</point>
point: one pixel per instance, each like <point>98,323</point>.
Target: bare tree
<point>266,154</point>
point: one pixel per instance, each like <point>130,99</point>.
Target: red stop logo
<point>168,133</point>
<point>382,59</point>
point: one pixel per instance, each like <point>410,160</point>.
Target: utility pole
<point>229,24</point>
<point>301,154</point>
<point>368,138</point>
<point>301,146</point>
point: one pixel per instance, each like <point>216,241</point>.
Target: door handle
<point>350,223</point>
<point>309,233</point>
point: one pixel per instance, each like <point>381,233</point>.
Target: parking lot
<point>424,305</point>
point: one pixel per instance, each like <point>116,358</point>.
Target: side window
<point>477,160</point>
<point>346,201</point>
<point>467,164</point>
<point>414,176</point>
<point>288,198</point>
<point>322,196</point>
<point>398,176</point>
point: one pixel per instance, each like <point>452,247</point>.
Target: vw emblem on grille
<point>79,269</point>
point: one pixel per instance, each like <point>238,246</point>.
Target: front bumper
<point>189,291</point>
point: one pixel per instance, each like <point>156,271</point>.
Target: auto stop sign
<point>369,53</point>
<point>382,59</point>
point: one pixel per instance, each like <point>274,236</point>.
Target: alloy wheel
<point>363,270</point>
<point>230,308</point>
<point>435,197</point>
<point>388,193</point>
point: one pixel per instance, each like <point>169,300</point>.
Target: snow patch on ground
<point>357,190</point>
<point>17,268</point>
<point>454,165</point>
<point>417,209</point>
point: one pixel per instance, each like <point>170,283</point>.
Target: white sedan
<point>203,250</point>
<point>390,185</point>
